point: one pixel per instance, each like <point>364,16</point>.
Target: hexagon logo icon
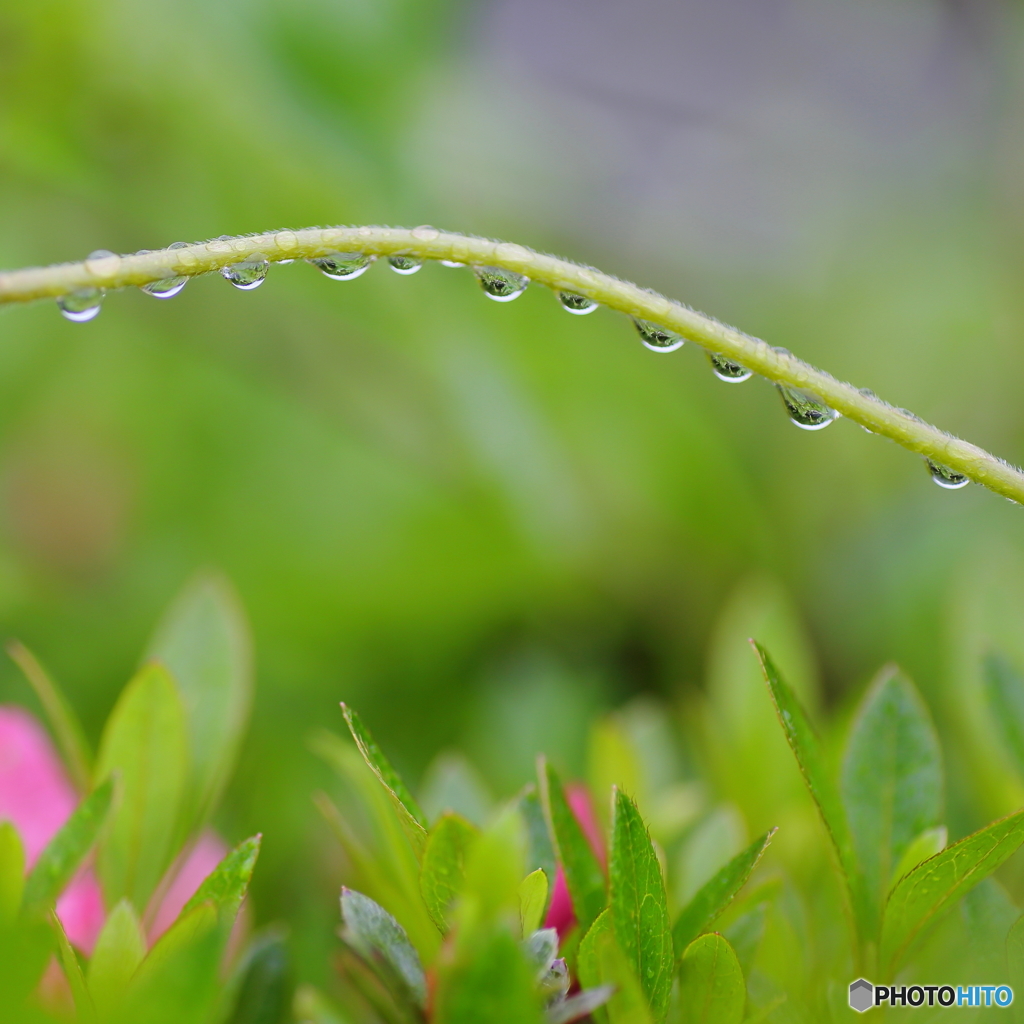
<point>862,995</point>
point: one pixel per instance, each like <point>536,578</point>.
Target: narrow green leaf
<point>533,900</point>
<point>601,961</point>
<point>84,1006</point>
<point>495,865</point>
<point>119,950</point>
<point>930,842</point>
<point>225,887</point>
<point>413,819</point>
<point>381,941</point>
<point>444,865</point>
<point>65,724</point>
<point>540,850</point>
<point>12,873</point>
<point>264,995</point>
<point>25,949</point>
<point>932,887</point>
<point>891,784</point>
<point>711,986</point>
<point>717,893</point>
<point>809,757</point>
<point>145,743</point>
<point>583,875</point>
<point>204,642</point>
<point>59,861</point>
<point>1004,687</point>
<point>639,903</point>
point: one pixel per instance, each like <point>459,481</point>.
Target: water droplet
<point>656,337</point>
<point>81,305</point>
<point>103,264</point>
<point>807,411</point>
<point>165,288</point>
<point>951,479</point>
<point>404,264</point>
<point>426,233</point>
<point>343,266</point>
<point>286,259</point>
<point>500,284</point>
<point>451,263</point>
<point>246,275</point>
<point>725,369</point>
<point>572,302</point>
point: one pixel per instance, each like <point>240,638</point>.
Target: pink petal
<point>81,910</point>
<point>560,912</point>
<point>582,807</point>
<point>209,850</point>
<point>35,794</point>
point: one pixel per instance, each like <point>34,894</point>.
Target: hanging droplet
<point>287,259</point>
<point>500,284</point>
<point>951,479</point>
<point>575,303</point>
<point>450,263</point>
<point>805,410</point>
<point>656,337</point>
<point>167,287</point>
<point>343,266</point>
<point>81,305</point>
<point>404,264</point>
<point>725,369</point>
<point>248,274</point>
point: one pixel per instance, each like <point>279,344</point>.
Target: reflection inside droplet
<point>500,284</point>
<point>247,275</point>
<point>950,479</point>
<point>807,411</point>
<point>657,338</point>
<point>725,369</point>
<point>580,305</point>
<point>404,264</point>
<point>342,266</point>
<point>81,305</point>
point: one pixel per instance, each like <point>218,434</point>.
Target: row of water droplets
<point>805,410</point>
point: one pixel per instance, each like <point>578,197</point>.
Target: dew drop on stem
<point>950,479</point>
<point>342,266</point>
<point>81,305</point>
<point>657,338</point>
<point>580,305</point>
<point>806,410</point>
<point>451,263</point>
<point>500,284</point>
<point>404,264</point>
<point>248,274</point>
<point>725,369</point>
<point>167,287</point>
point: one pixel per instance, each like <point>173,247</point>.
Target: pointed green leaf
<point>891,784</point>
<point>84,1006</point>
<point>381,941</point>
<point>639,903</point>
<point>204,641</point>
<point>711,986</point>
<point>12,873</point>
<point>444,865</point>
<point>63,721</point>
<point>25,950</point>
<point>59,861</point>
<point>583,875</point>
<point>811,760</point>
<point>144,742</point>
<point>930,842</point>
<point>717,893</point>
<point>540,850</point>
<point>932,887</point>
<point>119,950</point>
<point>225,887</point>
<point>413,819</point>
<point>601,961</point>
<point>1004,688</point>
<point>533,900</point>
<point>495,864</point>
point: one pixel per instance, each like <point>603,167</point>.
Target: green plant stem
<point>778,365</point>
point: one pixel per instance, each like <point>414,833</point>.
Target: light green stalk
<point>778,365</point>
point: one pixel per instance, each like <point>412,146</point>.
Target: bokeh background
<point>484,524</point>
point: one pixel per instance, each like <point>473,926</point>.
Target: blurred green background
<point>444,510</point>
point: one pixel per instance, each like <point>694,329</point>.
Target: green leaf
<point>639,903</point>
<point>204,642</point>
<point>119,950</point>
<point>533,900</point>
<point>12,873</point>
<point>811,760</point>
<point>717,893</point>
<point>25,950</point>
<point>540,851</point>
<point>381,941</point>
<point>583,875</point>
<point>59,861</point>
<point>63,720</point>
<point>444,865</point>
<point>711,987</point>
<point>264,996</point>
<point>612,760</point>
<point>601,961</point>
<point>144,742</point>
<point>413,819</point>
<point>84,1006</point>
<point>932,887</point>
<point>930,842</point>
<point>495,865</point>
<point>225,887</point>
<point>1004,688</point>
<point>891,784</point>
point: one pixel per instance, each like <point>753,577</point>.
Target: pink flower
<point>560,914</point>
<point>37,797</point>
